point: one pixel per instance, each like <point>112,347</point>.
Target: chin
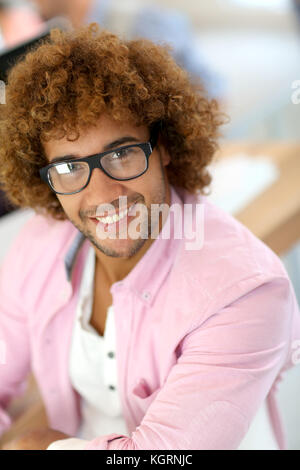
<point>121,248</point>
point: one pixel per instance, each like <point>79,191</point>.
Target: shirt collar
<point>72,253</point>
<point>148,274</point>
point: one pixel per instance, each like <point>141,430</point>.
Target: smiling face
<point>150,188</point>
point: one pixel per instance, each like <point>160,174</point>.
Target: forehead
<point>93,139</point>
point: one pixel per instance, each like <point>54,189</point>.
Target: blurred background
<point>246,54</point>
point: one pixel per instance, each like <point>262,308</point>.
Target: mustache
<point>116,205</point>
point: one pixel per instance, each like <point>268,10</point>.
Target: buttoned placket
<point>109,344</point>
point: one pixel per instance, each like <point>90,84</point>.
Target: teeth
<point>114,218</point>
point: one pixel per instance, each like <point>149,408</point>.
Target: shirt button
<point>146,295</point>
<point>111,354</point>
<point>112,387</point>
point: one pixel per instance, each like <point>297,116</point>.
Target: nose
<point>103,188</point>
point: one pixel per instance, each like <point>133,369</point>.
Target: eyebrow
<point>112,145</point>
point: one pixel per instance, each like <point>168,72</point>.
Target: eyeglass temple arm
<point>155,132</point>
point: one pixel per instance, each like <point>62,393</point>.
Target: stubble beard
<point>135,245</point>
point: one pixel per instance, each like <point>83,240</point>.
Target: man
<point>150,318</point>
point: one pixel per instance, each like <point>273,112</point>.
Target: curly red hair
<point>68,81</point>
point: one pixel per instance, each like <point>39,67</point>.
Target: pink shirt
<point>202,336</point>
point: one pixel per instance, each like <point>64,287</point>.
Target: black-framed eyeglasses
<point>121,164</point>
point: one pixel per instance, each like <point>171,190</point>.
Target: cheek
<point>145,184</point>
<point>70,204</point>
<point>148,182</point>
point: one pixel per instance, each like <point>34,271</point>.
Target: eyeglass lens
<point>67,177</point>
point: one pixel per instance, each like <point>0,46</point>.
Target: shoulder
<point>38,231</point>
<point>38,244</point>
<point>230,262</point>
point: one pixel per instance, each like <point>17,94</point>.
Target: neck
<point>116,269</point>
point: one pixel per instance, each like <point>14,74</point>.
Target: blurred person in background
<point>135,18</point>
<point>75,10</point>
<point>19,21</point>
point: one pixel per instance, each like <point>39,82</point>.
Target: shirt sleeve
<point>14,338</point>
<point>226,367</point>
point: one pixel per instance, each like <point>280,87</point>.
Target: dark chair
<point>5,205</point>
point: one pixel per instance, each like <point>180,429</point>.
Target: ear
<point>165,157</point>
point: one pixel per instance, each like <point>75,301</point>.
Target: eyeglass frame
<point>94,161</point>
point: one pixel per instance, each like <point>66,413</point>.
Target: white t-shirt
<point>93,373</point>
<point>93,369</point>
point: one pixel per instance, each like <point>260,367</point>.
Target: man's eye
<point>75,167</point>
<point>120,154</point>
